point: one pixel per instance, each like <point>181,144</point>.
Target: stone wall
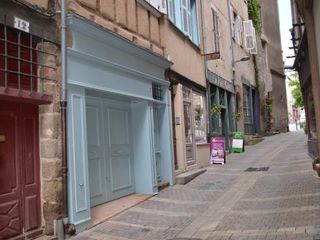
<point>50,142</point>
<point>127,18</point>
<point>270,67</point>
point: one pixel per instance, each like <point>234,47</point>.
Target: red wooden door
<point>19,168</point>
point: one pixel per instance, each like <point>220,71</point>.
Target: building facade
<point>143,80</point>
<point>31,133</point>
<point>306,43</point>
<point>231,86</point>
<point>183,46</point>
<point>272,78</point>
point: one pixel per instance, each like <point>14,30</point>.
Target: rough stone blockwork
<point>50,142</point>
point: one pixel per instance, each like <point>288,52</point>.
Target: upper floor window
<point>216,31</point>
<point>183,13</point>
<point>154,6</point>
<point>237,27</point>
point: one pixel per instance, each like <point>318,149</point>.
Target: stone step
<point>186,177</point>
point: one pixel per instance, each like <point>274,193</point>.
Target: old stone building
<point>32,181</point>
<point>230,76</point>
<point>271,71</point>
<point>306,44</point>
<point>183,46</point>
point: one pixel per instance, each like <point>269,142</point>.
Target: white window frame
<point>248,35</point>
<point>238,30</point>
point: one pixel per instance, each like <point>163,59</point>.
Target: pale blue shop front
<point>119,123</point>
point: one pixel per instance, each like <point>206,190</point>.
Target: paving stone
<point>227,203</point>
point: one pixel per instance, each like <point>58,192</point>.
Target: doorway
<point>109,150</point>
<point>19,169</point>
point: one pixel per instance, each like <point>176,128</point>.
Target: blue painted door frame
<point>103,62</point>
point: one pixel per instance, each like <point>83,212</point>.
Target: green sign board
<point>238,142</point>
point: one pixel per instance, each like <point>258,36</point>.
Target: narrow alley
<point>281,201</point>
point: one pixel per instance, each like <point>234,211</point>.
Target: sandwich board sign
<point>218,150</point>
<point>237,142</point>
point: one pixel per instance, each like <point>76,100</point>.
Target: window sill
<point>150,8</point>
<point>196,46</point>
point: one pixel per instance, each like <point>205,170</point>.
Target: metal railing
<point>22,60</point>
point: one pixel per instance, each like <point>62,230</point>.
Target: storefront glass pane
<point>199,111</point>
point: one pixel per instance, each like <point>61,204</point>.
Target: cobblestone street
<point>228,202</point>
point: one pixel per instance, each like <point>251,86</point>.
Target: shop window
<point>200,122</point>
<point>195,118</point>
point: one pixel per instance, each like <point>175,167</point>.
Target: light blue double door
<point>110,160</point>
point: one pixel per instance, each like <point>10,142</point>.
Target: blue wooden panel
<point>95,74</point>
<point>90,39</point>
<point>79,206</point>
<point>166,140</point>
<point>96,156</point>
<point>142,146</point>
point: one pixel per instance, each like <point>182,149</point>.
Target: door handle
<point>2,138</point>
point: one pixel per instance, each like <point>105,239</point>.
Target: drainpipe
<point>63,107</point>
<point>204,37</point>
<point>232,59</point>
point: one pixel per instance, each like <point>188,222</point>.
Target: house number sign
<point>21,24</point>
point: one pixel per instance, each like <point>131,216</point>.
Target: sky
<point>285,25</point>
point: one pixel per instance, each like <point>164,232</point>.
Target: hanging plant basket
<point>236,116</point>
<point>215,111</point>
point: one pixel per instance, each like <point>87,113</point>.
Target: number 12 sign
<point>21,24</point>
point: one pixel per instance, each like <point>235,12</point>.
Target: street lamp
<point>243,59</point>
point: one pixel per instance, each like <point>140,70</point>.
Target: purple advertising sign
<point>217,150</point>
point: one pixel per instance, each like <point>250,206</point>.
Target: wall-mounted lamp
<point>243,59</point>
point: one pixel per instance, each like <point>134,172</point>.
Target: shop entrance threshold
<point>108,210</point>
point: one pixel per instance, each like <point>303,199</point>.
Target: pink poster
<point>217,150</point>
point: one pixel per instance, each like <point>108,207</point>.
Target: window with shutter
<point>189,19</point>
<point>171,11</point>
<point>216,31</point>
<point>184,15</point>
<point>238,30</point>
<point>249,40</point>
<point>232,20</point>
<point>163,6</point>
<point>254,50</point>
<point>156,7</point>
